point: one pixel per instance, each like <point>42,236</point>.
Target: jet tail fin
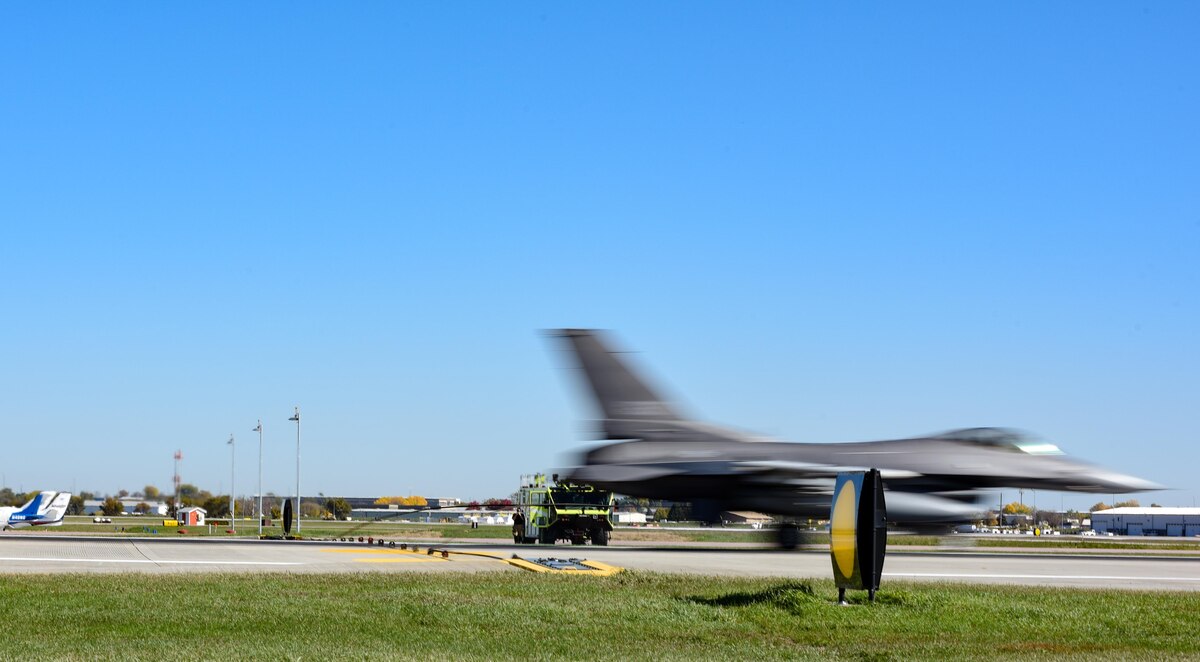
<point>621,394</point>
<point>58,508</point>
<point>36,504</point>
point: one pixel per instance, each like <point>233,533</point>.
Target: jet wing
<point>815,469</point>
<point>620,473</point>
<point>804,476</point>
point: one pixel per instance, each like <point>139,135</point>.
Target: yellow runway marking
<point>603,569</point>
<point>594,568</point>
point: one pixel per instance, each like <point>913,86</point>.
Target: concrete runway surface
<point>42,553</point>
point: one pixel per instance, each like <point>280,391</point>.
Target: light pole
<point>232,459</point>
<point>1021,491</point>
<point>1035,517</point>
<point>296,417</point>
<point>258,429</point>
<point>175,480</point>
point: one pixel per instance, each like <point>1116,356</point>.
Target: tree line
<point>215,505</point>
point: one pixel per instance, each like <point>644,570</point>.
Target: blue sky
<point>821,223</point>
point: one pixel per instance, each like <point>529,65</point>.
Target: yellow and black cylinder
<point>858,532</point>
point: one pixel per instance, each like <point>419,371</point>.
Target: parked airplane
<point>931,481</point>
<point>44,509</point>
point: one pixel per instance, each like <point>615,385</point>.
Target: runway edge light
<point>857,532</point>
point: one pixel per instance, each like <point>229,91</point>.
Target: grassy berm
<point>526,616</point>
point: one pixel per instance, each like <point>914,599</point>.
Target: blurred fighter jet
<point>931,481</point>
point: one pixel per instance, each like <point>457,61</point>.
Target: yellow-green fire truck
<point>549,512</point>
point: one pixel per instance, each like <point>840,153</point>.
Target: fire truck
<point>553,511</point>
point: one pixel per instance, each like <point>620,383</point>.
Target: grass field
<point>527,616</point>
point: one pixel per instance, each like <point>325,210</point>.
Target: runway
<point>79,554</point>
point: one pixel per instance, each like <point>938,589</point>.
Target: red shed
<point>193,516</point>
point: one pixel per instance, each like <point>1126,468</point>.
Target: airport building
<point>1148,521</point>
<point>128,506</point>
<point>622,517</point>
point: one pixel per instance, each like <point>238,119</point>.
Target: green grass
<point>527,616</point>
<point>1091,543</point>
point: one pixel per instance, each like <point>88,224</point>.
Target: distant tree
<point>190,495</point>
<point>680,512</point>
<point>1098,506</point>
<point>112,507</point>
<point>401,501</point>
<point>1017,508</point>
<point>627,504</point>
<point>75,506</point>
<point>497,504</point>
<point>1049,517</point>
<point>1156,505</point>
<point>7,498</point>
<point>1132,503</point>
<point>216,506</point>
<point>142,508</point>
<point>121,494</point>
<point>275,512</point>
<point>150,491</point>
<point>662,514</point>
<point>310,509</point>
<point>339,507</point>
<point>473,505</point>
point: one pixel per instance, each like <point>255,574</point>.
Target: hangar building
<point>1148,521</point>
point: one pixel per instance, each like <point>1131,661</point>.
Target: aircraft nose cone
<point>1096,480</point>
<point>1119,482</point>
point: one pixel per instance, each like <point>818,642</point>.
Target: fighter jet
<point>931,481</point>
